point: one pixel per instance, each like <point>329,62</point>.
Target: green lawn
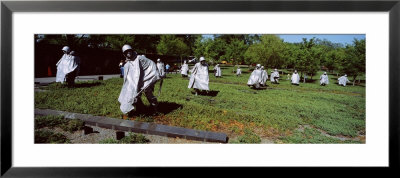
<point>275,113</point>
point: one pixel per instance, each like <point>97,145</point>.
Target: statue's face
<point>129,54</point>
<point>203,62</point>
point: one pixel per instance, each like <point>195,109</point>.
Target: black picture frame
<point>8,7</point>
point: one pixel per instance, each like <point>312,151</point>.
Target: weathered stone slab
<point>216,137</point>
<point>121,128</point>
<point>140,127</point>
<point>195,135</point>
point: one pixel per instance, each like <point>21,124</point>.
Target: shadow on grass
<point>220,76</point>
<point>86,85</point>
<point>163,108</point>
<point>211,93</point>
<point>260,88</point>
<point>274,83</point>
<point>167,107</point>
<point>350,85</point>
<point>309,80</point>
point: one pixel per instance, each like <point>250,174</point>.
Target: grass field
<point>281,113</point>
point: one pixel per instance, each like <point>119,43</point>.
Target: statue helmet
<point>66,49</point>
<point>126,47</point>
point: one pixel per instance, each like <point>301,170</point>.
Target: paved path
<point>47,80</point>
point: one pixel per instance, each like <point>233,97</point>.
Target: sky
<point>344,39</point>
<point>340,38</point>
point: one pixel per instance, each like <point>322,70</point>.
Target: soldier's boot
<point>154,108</point>
<point>153,103</point>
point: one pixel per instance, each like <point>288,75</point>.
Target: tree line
<point>307,57</point>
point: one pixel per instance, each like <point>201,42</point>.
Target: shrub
<point>134,138</point>
<point>73,125</point>
<point>45,136</point>
<point>52,121</point>
<point>48,121</point>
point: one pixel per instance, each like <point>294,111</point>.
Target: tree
<point>235,51</point>
<point>328,44</point>
<point>219,48</point>
<point>229,38</point>
<point>146,43</point>
<point>140,43</point>
<point>72,41</point>
<point>330,51</point>
<point>172,45</point>
<point>251,39</point>
<point>117,41</point>
<point>290,54</point>
<point>353,64</point>
<point>189,40</point>
<point>199,46</point>
<point>212,49</point>
<point>332,57</point>
<point>268,51</point>
<point>309,57</point>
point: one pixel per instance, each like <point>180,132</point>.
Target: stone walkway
<point>47,80</point>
